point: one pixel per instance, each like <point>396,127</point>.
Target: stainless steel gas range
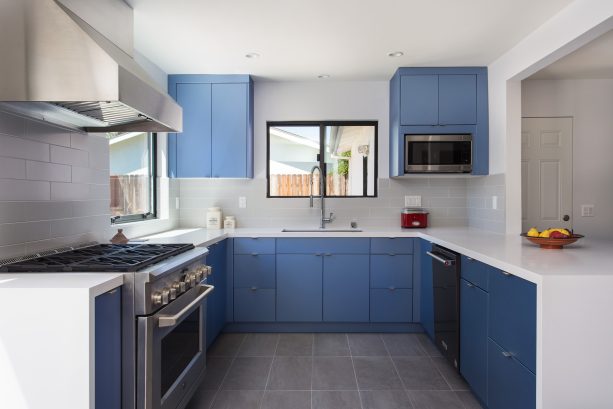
<point>163,314</point>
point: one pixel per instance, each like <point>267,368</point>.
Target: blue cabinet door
<point>216,302</point>
<point>391,305</point>
<point>108,349</point>
<point>391,271</point>
<point>254,305</point>
<point>510,384</point>
<point>512,316</point>
<point>193,145</point>
<point>299,287</point>
<point>476,272</point>
<point>473,337</point>
<point>256,270</point>
<point>346,288</point>
<point>427,291</point>
<point>419,100</point>
<point>457,99</point>
<point>229,130</point>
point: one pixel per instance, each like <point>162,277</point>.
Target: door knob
<point>566,218</point>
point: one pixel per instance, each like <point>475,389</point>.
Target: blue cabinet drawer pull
<point>254,288</point>
<point>318,254</point>
<point>328,254</point>
<point>470,259</point>
<point>392,288</point>
<point>391,254</point>
<point>506,274</point>
<point>470,285</point>
<point>507,354</point>
<point>255,254</point>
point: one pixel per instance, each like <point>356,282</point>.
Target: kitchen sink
<point>321,230</point>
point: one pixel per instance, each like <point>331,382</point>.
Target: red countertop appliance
<point>411,218</point>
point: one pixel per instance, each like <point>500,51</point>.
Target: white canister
<point>229,222</point>
<point>213,218</point>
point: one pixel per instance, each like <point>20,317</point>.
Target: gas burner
<point>100,258</point>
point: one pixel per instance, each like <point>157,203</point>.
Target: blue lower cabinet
<point>346,288</point>
<point>475,272</point>
<point>256,270</point>
<point>391,305</point>
<point>512,316</point>
<point>216,301</point>
<point>510,384</point>
<point>427,292</point>
<point>108,350</point>
<point>473,337</point>
<point>391,271</point>
<point>299,287</point>
<point>254,304</point>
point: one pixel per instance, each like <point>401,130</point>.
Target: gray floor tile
<point>216,369</point>
<point>202,399</point>
<point>336,400</point>
<point>333,373</point>
<point>435,400</point>
<point>392,399</point>
<point>330,345</point>
<point>237,400</point>
<point>259,345</point>
<point>403,344</point>
<point>468,399</point>
<point>419,373</point>
<point>295,345</point>
<point>248,373</point>
<point>428,345</point>
<point>226,345</point>
<point>291,373</point>
<point>376,373</point>
<point>451,375</point>
<point>366,345</point>
<point>286,400</point>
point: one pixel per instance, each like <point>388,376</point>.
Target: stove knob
<point>199,276</point>
<point>173,294</point>
<point>192,280</point>
<point>208,270</point>
<point>165,296</point>
<point>156,298</point>
<point>183,286</point>
<point>177,287</point>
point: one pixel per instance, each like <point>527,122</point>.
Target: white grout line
<point>355,374</point>
<point>227,372</point>
<point>406,392</point>
<point>270,370</point>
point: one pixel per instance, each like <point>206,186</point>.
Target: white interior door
<point>546,171</point>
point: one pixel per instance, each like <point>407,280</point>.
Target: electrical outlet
<point>177,203</point>
<point>587,210</point>
<point>242,202</point>
<point>412,201</point>
<point>494,202</point>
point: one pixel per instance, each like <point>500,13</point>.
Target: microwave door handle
<point>171,320</point>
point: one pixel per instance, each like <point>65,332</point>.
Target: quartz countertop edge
<point>510,253</point>
<point>94,283</point>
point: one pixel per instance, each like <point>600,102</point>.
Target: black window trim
<point>131,218</point>
<point>322,125</point>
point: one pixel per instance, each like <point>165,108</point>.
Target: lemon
<point>545,233</point>
<point>533,232</point>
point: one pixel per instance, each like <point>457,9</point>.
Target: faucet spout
<point>323,218</point>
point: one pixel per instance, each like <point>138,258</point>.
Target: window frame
<point>152,215</point>
<point>322,157</point>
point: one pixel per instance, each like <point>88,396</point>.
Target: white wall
<point>590,103</point>
<point>574,26</point>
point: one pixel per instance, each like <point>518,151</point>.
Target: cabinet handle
<point>392,288</point>
<point>469,259</point>
<point>507,354</point>
<point>255,254</point>
<point>470,285</point>
<point>391,254</point>
<point>504,273</point>
<point>318,254</point>
<point>254,288</point>
<point>328,254</point>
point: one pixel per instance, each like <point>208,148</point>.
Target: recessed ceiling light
<point>323,76</point>
<point>252,55</point>
<point>395,54</point>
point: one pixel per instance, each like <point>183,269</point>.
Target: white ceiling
<point>592,61</point>
<point>347,39</point>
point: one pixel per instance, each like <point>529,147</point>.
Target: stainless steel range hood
<point>56,67</point>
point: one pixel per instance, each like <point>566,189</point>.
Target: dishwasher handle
<point>447,262</point>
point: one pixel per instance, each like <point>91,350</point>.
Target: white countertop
<point>94,283</point>
<point>510,253</point>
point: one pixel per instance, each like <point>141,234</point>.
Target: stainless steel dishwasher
<point>446,289</point>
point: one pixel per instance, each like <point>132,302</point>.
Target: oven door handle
<point>171,320</point>
<point>445,261</point>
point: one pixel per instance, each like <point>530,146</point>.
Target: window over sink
<point>345,151</point>
<point>133,182</point>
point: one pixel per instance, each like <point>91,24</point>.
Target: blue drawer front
<point>390,245</point>
<point>245,245</point>
<point>391,271</point>
<point>473,337</point>
<point>299,287</point>
<point>391,305</point>
<point>346,288</point>
<point>323,245</point>
<point>475,271</point>
<point>254,271</point>
<point>254,305</point>
<point>511,385</point>
<point>512,316</point>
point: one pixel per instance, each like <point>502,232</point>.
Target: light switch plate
<point>176,203</point>
<point>412,201</point>
<point>242,202</point>
<point>494,202</point>
<point>587,210</point>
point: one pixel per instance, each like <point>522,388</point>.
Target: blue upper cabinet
<point>439,101</point>
<point>217,138</point>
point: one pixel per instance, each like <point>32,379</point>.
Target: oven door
<point>438,153</point>
<point>171,351</point>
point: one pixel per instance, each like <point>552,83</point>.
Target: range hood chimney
<point>56,67</point>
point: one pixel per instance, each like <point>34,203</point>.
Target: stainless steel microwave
<point>438,153</point>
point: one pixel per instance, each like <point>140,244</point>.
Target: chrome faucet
<point>324,219</point>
